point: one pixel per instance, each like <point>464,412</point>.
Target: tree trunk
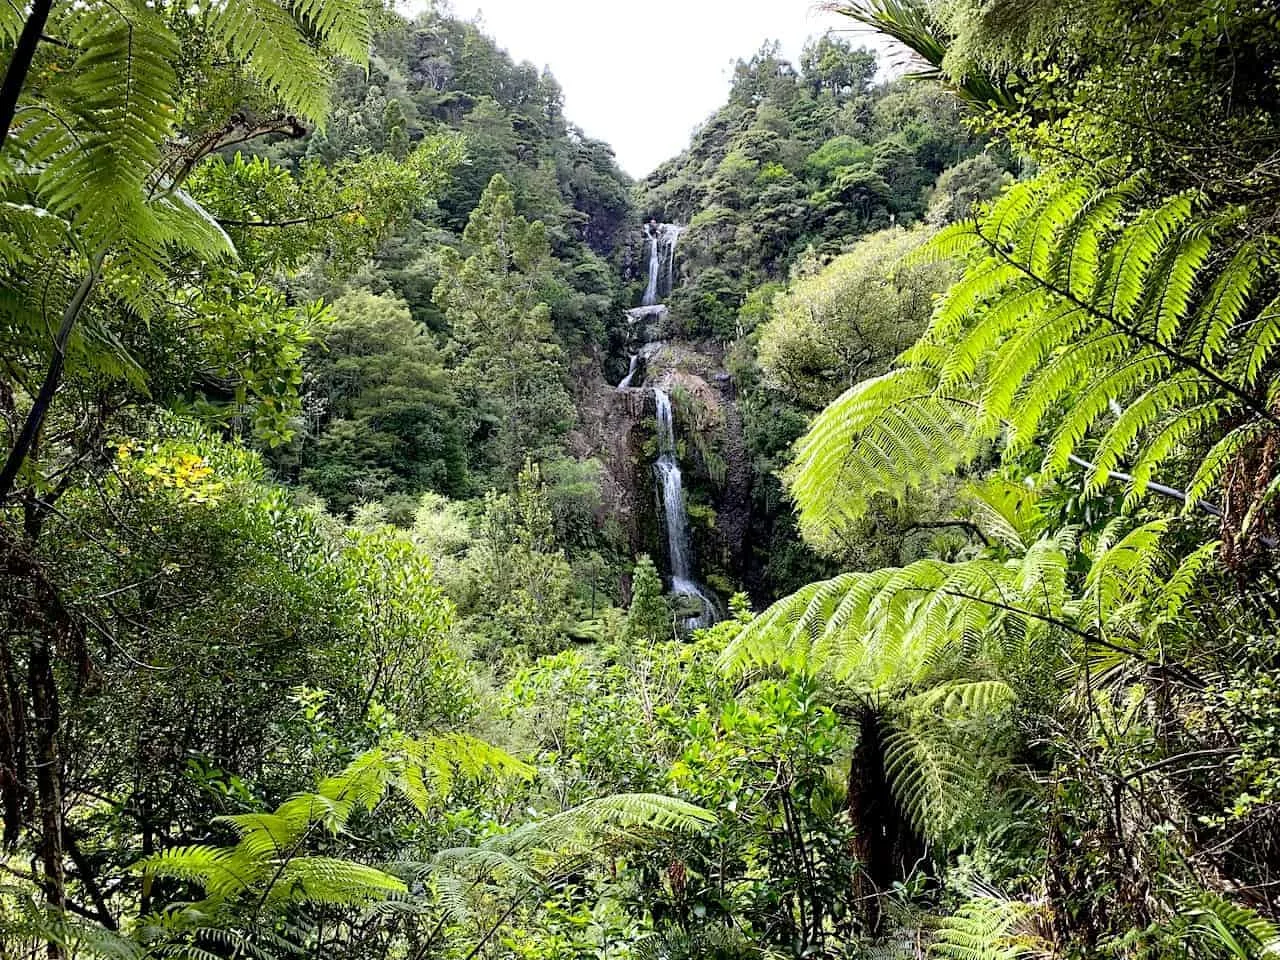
<point>44,702</point>
<point>883,842</point>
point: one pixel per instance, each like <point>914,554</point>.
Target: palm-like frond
<point>564,841</point>
<point>896,626</point>
<point>1233,930</point>
<point>1092,331</point>
<point>908,22</point>
<point>271,861</point>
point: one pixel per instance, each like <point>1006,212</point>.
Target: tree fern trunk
<point>883,842</point>
<point>15,77</point>
<point>44,702</point>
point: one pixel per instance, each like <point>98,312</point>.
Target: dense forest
<point>858,538</point>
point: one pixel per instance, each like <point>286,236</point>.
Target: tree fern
<point>1082,326</point>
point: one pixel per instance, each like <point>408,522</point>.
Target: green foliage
<point>844,323</point>
<point>649,620</point>
<point>387,411</point>
<point>270,865</point>
<point>985,928</point>
<point>493,299</point>
<point>1150,327</point>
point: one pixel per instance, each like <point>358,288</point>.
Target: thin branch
<point>44,399</point>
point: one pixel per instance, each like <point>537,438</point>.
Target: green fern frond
<point>1181,389</point>
<point>265,35</point>
<point>1243,933</point>
<point>1215,462</point>
<point>597,825</point>
<point>960,698</point>
<point>1259,344</point>
<point>886,435</point>
<point>1076,316</point>
<point>343,25</point>
<point>332,881</point>
<point>1130,262</point>
<point>929,779</point>
<point>897,624</point>
<point>118,104</point>
<point>1169,297</point>
<point>1077,264</point>
<point>1126,571</point>
<point>1224,307</point>
<point>985,928</point>
<point>1005,511</point>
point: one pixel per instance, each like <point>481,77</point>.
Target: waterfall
<point>651,291</point>
<point>663,238</point>
<point>671,500</point>
<point>631,372</point>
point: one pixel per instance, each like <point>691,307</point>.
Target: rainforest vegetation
<point>858,538</point>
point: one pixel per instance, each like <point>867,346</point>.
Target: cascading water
<point>663,238</point>
<point>651,291</point>
<point>631,372</point>
<point>671,500</point>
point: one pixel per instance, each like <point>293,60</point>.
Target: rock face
<point>718,470</point>
<point>614,427</point>
<point>617,426</point>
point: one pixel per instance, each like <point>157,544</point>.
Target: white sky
<point>641,74</point>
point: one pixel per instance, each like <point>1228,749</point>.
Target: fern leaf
<point>928,778</point>
<point>1130,262</point>
<point>1179,390</point>
<point>1216,460</point>
<point>1225,304</point>
<point>1078,263</point>
<point>1259,344</point>
<point>985,928</point>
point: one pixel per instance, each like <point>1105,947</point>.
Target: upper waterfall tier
<point>662,240</point>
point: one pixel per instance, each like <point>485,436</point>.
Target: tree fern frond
<point>1258,344</point>
<point>1169,440</point>
<point>1078,263</point>
<point>1169,298</point>
<point>1225,304</point>
<point>891,625</point>
<point>265,36</point>
<point>1039,239</point>
<point>1179,390</point>
<point>985,928</point>
<point>343,25</point>
<point>885,435</point>
<point>120,97</point>
<point>1005,511</point>
<point>1216,460</point>
<point>1124,572</point>
<point>981,283</point>
<point>929,779</point>
<point>1095,401</point>
<point>1243,933</point>
<point>960,698</point>
<point>332,881</point>
<point>1127,267</point>
<point>1073,365</point>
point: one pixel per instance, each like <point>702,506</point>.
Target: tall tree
<point>511,367</point>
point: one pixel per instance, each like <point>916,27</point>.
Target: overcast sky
<point>641,74</point>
